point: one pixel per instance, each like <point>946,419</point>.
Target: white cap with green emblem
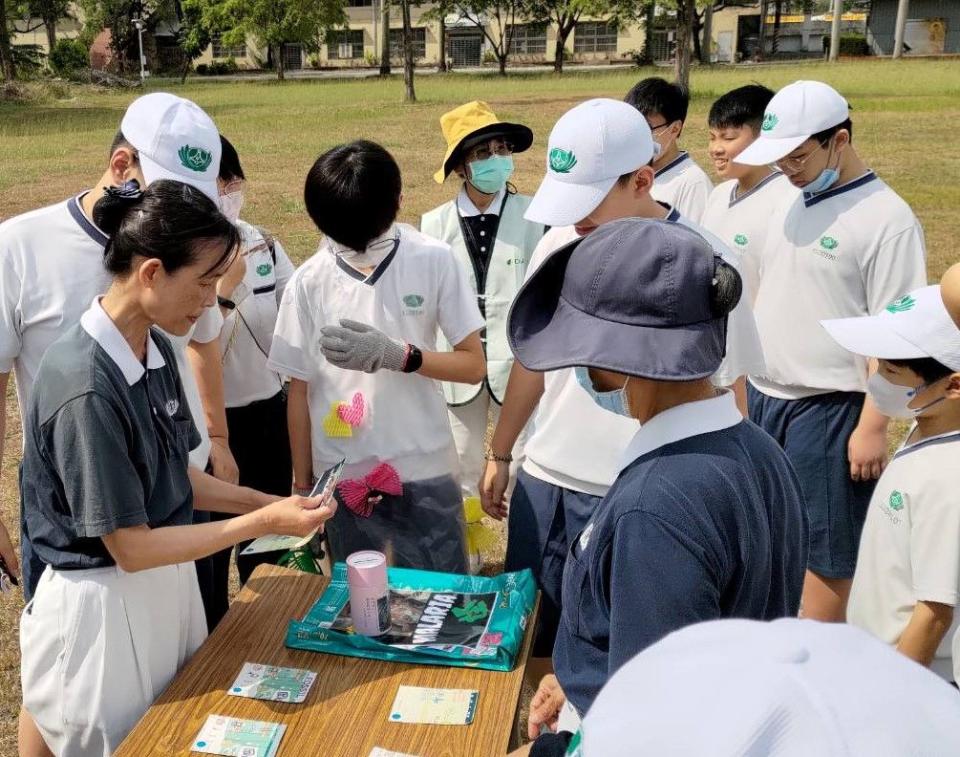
<point>175,139</point>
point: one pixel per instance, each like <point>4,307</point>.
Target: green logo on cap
<point>413,300</point>
<point>896,501</point>
<point>740,239</point>
<point>828,243</point>
<point>195,158</point>
<point>769,121</point>
<point>902,305</point>
<point>562,161</point>
<point>264,269</point>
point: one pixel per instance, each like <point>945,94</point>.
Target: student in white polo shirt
<point>598,170</point>
<point>255,397</point>
<point>907,584</point>
<point>487,233</point>
<point>680,182</point>
<point>738,210</point>
<point>846,246</point>
<point>357,333</point>
<point>52,258</point>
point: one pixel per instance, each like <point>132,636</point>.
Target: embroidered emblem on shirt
<point>413,300</point>
<point>770,120</point>
<point>896,501</point>
<point>828,243</point>
<point>901,305</point>
<point>264,268</point>
<point>195,158</point>
<point>172,406</point>
<point>740,239</point>
<point>562,161</point>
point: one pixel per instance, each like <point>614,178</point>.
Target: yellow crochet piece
<point>479,536</point>
<point>334,425</point>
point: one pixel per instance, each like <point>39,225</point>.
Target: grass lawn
<point>904,114</point>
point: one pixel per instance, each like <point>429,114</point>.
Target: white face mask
<point>894,400</point>
<point>230,205</point>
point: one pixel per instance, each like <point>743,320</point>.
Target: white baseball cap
<point>786,688</point>
<point>590,147</point>
<point>916,325</point>
<point>796,113</point>
<point>175,140</point>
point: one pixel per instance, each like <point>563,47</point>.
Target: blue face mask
<point>491,174</point>
<point>613,402</point>
<point>827,178</point>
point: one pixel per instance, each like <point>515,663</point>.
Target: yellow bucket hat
<point>475,119</point>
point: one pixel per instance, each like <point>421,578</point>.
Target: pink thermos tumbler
<point>369,595</point>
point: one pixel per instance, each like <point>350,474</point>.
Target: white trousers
<point>98,646</point>
<point>469,423</point>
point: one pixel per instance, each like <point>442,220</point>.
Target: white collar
<point>104,332</point>
<point>682,422</point>
<point>467,208</point>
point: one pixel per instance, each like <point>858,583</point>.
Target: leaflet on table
<point>273,683</point>
<point>325,487</point>
<point>415,704</point>
<point>436,619</point>
<point>238,738</point>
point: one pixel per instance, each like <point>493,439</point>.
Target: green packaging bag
<point>436,619</point>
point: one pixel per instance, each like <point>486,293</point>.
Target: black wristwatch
<point>414,360</point>
<point>225,303</point>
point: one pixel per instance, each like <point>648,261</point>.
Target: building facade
<point>933,27</point>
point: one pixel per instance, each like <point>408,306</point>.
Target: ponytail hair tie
<point>130,192</point>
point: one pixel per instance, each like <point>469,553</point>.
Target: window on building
<point>226,51</point>
<point>346,44</point>
<point>529,39</point>
<point>595,37</point>
<point>419,35</point>
<point>359,3</point>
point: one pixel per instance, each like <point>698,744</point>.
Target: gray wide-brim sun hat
<point>634,297</point>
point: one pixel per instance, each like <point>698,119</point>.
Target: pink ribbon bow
<point>360,495</point>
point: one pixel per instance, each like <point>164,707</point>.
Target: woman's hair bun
<point>112,208</point>
<point>726,288</point>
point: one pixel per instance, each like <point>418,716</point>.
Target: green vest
<point>516,240</point>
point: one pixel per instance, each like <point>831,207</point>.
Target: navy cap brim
<point>546,333</point>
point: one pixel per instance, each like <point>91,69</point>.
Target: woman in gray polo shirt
<point>105,484</point>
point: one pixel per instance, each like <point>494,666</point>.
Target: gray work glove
<point>359,347</point>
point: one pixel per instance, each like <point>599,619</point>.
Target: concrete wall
<point>883,15</point>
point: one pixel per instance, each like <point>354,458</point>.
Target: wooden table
<point>346,712</point>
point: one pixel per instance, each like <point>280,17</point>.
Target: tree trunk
<point>559,46</point>
<point>706,47</point>
<point>648,28</point>
<point>411,95</point>
<point>280,62</point>
<point>385,39</point>
<point>685,11</point>
<point>777,14</point>
<point>186,68</point>
<point>903,8</point>
<point>835,30</point>
<point>442,39</point>
<point>6,54</point>
<point>51,26</point>
<point>762,36</point>
<point>695,33</point>
<point>502,62</point>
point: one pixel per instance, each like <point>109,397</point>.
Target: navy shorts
<point>814,433</point>
<point>544,520</point>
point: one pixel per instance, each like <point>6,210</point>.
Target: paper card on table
<point>381,752</point>
<point>273,683</point>
<point>238,738</point>
<point>415,704</point>
<point>324,487</point>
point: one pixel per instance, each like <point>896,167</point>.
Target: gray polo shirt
<point>107,441</point>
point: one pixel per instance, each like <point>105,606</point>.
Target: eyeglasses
<point>655,129</point>
<point>488,150</point>
<point>234,186</point>
<point>791,166</point>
